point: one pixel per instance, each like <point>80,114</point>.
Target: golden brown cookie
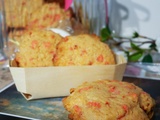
<point>49,15</point>
<point>83,49</point>
<point>18,11</point>
<point>37,48</point>
<point>109,100</point>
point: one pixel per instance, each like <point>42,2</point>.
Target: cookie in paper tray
<point>37,48</point>
<point>84,49</point>
<point>56,81</point>
<point>35,80</point>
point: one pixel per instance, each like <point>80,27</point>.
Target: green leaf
<point>127,53</point>
<point>135,56</point>
<point>153,47</point>
<point>135,47</point>
<point>135,35</point>
<point>106,34</point>
<point>147,58</point>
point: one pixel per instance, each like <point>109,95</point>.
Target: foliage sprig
<point>136,52</point>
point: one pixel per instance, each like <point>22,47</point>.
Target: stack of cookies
<point>33,13</point>
<point>24,15</point>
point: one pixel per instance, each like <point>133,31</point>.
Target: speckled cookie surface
<point>109,100</point>
<point>18,11</point>
<point>49,15</point>
<point>37,48</point>
<point>83,49</point>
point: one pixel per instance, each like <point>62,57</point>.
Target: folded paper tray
<point>45,82</point>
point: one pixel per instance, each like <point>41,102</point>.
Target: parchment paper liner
<point>45,82</point>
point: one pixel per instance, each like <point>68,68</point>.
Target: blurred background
<point>127,16</point>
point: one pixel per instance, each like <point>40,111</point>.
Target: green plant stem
<point>142,43</point>
<point>120,42</point>
<point>119,37</point>
<point>141,36</point>
<point>150,40</point>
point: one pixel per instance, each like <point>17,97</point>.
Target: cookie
<point>49,15</point>
<point>83,49</point>
<point>18,11</point>
<point>109,100</point>
<point>37,48</point>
